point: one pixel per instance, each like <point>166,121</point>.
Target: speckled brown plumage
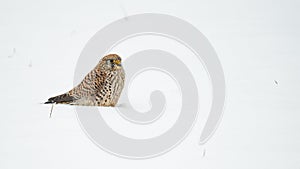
<point>101,87</point>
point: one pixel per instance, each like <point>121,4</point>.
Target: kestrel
<point>101,87</point>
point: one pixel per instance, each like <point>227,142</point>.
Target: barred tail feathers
<point>61,99</point>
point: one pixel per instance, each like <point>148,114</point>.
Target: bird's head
<point>111,62</point>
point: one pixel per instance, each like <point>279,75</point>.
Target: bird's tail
<point>60,99</point>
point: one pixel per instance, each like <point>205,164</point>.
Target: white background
<point>257,42</point>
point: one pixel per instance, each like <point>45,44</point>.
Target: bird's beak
<point>117,62</point>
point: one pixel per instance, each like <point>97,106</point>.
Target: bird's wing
<point>90,85</point>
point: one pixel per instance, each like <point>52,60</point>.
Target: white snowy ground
<point>256,41</point>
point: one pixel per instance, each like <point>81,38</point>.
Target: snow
<point>257,43</point>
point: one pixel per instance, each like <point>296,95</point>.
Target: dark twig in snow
<point>51,111</point>
<point>204,153</point>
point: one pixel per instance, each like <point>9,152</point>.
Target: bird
<point>102,86</point>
